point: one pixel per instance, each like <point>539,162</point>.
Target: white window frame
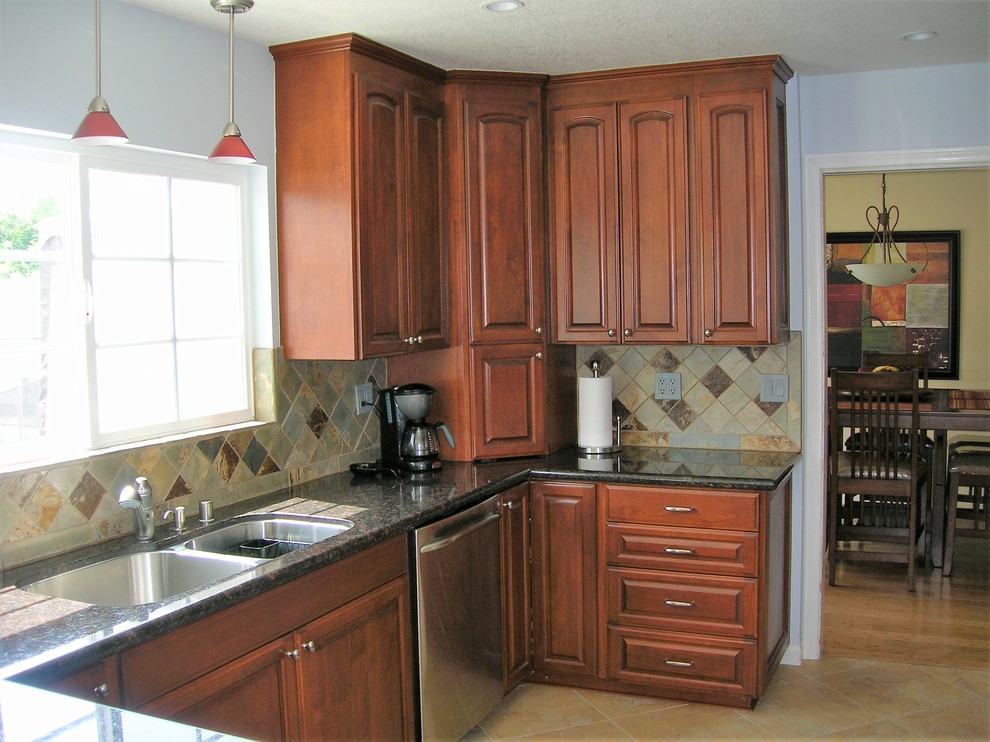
<point>256,277</point>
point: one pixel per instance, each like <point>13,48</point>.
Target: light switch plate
<point>774,388</point>
<point>364,398</point>
<point>667,386</point>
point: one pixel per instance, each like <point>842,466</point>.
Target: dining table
<point>943,411</point>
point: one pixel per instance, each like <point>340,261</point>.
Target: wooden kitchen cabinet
<point>668,211</point>
<point>98,682</point>
<point>305,660</point>
<point>565,581</point>
<point>360,194</point>
<point>501,389</point>
<point>516,584</point>
<point>696,590</point>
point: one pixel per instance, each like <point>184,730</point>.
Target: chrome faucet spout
<point>140,500</point>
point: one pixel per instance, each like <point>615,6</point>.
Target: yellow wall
<point>937,200</point>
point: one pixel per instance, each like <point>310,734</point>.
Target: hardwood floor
<point>870,614</point>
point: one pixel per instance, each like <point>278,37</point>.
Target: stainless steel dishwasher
<point>459,609</point>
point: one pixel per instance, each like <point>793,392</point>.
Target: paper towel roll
<point>595,412</point>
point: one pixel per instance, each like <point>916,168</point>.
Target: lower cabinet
<point>666,591</point>
<point>517,625</point>
<point>98,682</point>
<point>337,663</point>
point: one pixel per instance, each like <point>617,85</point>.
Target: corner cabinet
<point>668,204</point>
<point>674,592</point>
<point>502,389</point>
<point>361,195</point>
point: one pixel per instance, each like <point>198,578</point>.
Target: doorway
<point>813,412</point>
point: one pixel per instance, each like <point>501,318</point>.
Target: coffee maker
<point>408,441</point>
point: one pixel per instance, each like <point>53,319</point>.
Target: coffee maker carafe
<point>408,441</point>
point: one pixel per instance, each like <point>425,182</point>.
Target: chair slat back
<point>876,404</point>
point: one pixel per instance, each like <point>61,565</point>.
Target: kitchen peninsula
<point>52,639</point>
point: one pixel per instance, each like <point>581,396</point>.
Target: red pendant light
<point>231,149</point>
<point>99,125</point>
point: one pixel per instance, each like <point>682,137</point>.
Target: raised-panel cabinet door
<point>504,184</point>
<point>516,584</point>
<point>381,232</point>
<point>734,232</point>
<point>565,584</point>
<point>427,245</point>
<point>653,157</point>
<point>253,696</point>
<point>355,669</point>
<point>508,392</point>
<point>584,227</point>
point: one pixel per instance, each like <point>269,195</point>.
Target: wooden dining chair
<point>875,490</point>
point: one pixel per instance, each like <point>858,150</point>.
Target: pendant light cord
<point>99,70</point>
<point>231,61</point>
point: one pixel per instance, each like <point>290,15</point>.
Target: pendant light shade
<point>99,125</point>
<point>888,271</point>
<point>231,148</point>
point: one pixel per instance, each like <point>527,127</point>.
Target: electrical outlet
<point>667,386</point>
<point>364,398</point>
<point>774,387</point>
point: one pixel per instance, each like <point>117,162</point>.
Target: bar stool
<point>970,468</point>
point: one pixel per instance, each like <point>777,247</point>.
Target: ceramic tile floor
<point>834,698</point>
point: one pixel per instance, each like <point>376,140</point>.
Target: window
<point>123,296</point>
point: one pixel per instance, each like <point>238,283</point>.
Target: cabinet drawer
<point>702,604</point>
<point>699,663</point>
<point>690,508</point>
<point>682,550</point>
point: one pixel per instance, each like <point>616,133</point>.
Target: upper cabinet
<point>668,204</point>
<point>361,196</point>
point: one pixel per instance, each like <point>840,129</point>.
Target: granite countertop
<point>65,635</point>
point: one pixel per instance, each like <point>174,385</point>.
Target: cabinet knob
<point>101,691</point>
<point>627,332</point>
<point>539,355</point>
<point>539,330</point>
<point>292,654</point>
<point>419,339</point>
<point>611,332</point>
<point>309,646</point>
<point>708,333</point>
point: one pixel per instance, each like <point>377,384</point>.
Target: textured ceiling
<point>555,36</point>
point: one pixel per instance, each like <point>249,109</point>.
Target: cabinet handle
<point>539,355</point>
<point>512,505</point>
<point>611,332</point>
<point>708,333</point>
<point>414,340</point>
<point>679,603</point>
<point>627,332</point>
<point>539,330</point>
<point>678,663</point>
<point>419,339</point>
<point>310,646</point>
<point>672,550</point>
<point>101,691</point>
<point>292,654</point>
<point>678,509</point>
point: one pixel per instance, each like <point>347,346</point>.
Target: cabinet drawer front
<point>691,508</point>
<point>682,550</point>
<point>726,606</point>
<point>700,663</point>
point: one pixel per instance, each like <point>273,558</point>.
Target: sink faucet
<point>140,501</point>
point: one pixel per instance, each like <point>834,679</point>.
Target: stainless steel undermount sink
<point>139,578</point>
<point>268,537</point>
<point>150,576</point>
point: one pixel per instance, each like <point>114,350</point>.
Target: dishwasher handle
<point>469,527</point>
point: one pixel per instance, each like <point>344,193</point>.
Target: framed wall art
<point>920,315</point>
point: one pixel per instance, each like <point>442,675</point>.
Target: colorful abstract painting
<point>921,315</point>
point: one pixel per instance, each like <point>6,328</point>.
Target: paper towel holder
<point>604,451</point>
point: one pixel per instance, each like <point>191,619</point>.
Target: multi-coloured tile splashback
<point>720,405</point>
<point>313,431</point>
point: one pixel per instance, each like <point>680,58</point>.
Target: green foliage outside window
<point>18,232</point>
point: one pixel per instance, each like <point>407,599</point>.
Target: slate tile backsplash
<point>312,430</point>
<point>720,405</point>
